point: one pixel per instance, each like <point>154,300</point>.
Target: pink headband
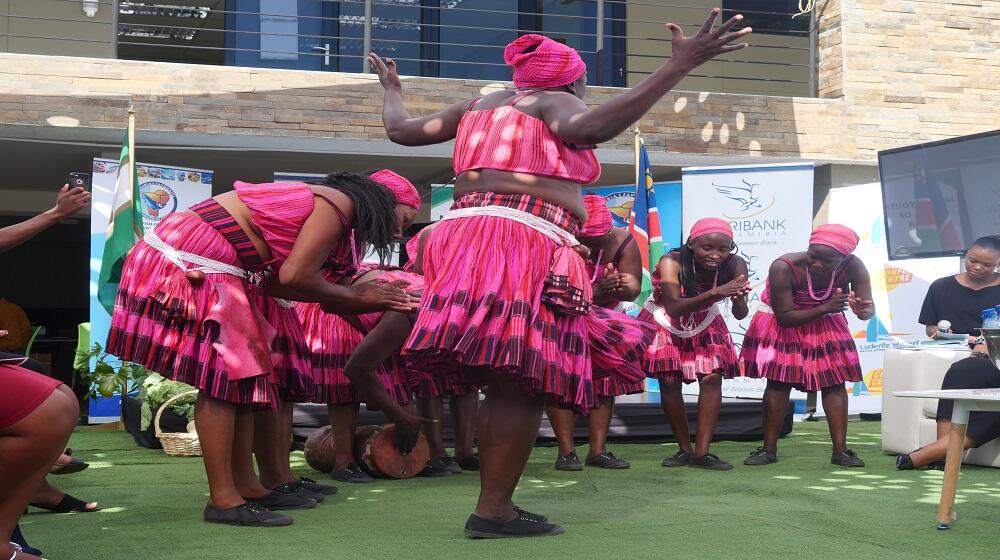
<point>598,216</point>
<point>552,64</point>
<point>839,238</point>
<point>707,226</point>
<point>404,191</point>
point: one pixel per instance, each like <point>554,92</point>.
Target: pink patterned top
<point>507,139</point>
<point>280,209</point>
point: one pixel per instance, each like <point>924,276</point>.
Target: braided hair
<point>374,210</point>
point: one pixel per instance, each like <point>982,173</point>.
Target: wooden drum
<point>375,450</point>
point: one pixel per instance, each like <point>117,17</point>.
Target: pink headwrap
<point>404,191</point>
<point>552,64</point>
<point>707,226</point>
<point>598,216</point>
<point>839,238</point>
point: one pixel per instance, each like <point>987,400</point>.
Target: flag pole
<point>637,141</point>
<point>137,227</point>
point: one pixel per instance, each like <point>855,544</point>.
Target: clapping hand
<point>862,308</point>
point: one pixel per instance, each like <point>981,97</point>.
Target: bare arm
<point>630,272</point>
<point>780,282</point>
<point>860,297</point>
<point>301,273</point>
<point>569,118</point>
<point>68,202</point>
<point>740,308</point>
<point>399,125</point>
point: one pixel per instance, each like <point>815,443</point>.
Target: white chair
<point>908,424</point>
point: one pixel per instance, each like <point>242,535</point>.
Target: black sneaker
<point>904,463</point>
<point>846,459</point>
<point>936,466</point>
<point>478,528</point>
<point>607,460</point>
<point>279,501</point>
<point>437,467</point>
<point>317,488</point>
<point>352,474</point>
<point>296,489</point>
<point>537,517</point>
<point>569,462</point>
<point>680,459</point>
<point>451,464</point>
<point>470,463</point>
<point>761,456</point>
<point>711,462</point>
<point>247,515</point>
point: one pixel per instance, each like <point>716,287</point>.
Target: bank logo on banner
<point>747,196</point>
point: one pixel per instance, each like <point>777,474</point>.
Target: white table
<point>966,401</point>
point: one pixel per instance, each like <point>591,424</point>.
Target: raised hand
<point>386,71</point>
<point>70,202</point>
<point>733,289</point>
<point>691,52</point>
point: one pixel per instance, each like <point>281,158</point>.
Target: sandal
<point>74,465</point>
<point>68,504</point>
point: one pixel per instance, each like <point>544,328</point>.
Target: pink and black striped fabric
<point>812,356</point>
<point>482,305</point>
<point>507,139</point>
<point>672,357</point>
<point>168,323</point>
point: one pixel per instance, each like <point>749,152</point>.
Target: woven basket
<point>178,444</point>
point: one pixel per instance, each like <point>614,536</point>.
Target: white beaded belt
<point>550,230</point>
<point>662,319</point>
<point>205,264</point>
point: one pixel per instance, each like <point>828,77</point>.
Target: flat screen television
<point>941,196</point>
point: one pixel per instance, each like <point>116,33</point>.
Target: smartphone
<point>79,180</point>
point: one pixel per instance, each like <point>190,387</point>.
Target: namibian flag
<point>126,221</point>
<point>644,222</point>
<point>934,225</point>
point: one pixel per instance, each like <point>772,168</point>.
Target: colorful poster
<point>163,190</point>
<point>898,288</point>
<point>770,208</point>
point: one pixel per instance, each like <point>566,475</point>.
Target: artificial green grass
<point>801,507</point>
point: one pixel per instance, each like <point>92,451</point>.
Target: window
<point>769,16</point>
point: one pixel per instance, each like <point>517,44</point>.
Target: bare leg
<point>28,449</point>
<point>216,422</point>
<point>463,412</point>
<point>272,443</point>
<point>835,407</point>
<point>936,450</point>
<point>244,476</point>
<point>508,424</point>
<point>672,402</point>
<point>562,421</point>
<point>433,409</point>
<point>775,406</point>
<point>598,424</point>
<point>343,422</point>
<point>709,402</point>
<point>51,496</point>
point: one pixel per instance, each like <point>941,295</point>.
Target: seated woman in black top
<point>959,299</point>
<point>977,372</point>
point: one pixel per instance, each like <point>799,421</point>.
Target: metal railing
<point>436,38</point>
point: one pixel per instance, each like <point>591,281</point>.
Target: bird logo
<point>745,196</point>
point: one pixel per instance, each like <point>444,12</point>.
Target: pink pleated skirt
<point>810,357</point>
<point>483,305</point>
<point>163,321</point>
<point>618,344</point>
<point>672,357</point>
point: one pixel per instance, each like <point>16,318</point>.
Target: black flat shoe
<point>279,501</point>
<point>904,463</point>
<point>437,467</point>
<point>478,528</point>
<point>536,517</point>
<point>451,464</point>
<point>296,489</point>
<point>568,462</point>
<point>711,462</point>
<point>469,463</point>
<point>761,456</point>
<point>607,460</point>
<point>846,459</point>
<point>68,504</point>
<point>679,459</point>
<point>352,474</point>
<point>315,487</point>
<point>247,515</point>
